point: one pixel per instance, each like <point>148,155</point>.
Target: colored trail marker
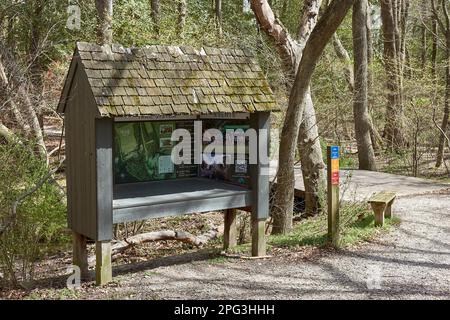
<point>333,194</point>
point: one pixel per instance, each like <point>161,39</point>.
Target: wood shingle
<point>172,80</point>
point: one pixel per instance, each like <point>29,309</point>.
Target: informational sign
<point>335,165</point>
<point>333,194</point>
<point>142,152</point>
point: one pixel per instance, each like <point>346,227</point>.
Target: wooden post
<point>259,175</point>
<point>333,194</point>
<point>378,209</point>
<point>388,211</point>
<point>230,232</point>
<point>80,254</point>
<point>103,268</point>
<point>258,238</point>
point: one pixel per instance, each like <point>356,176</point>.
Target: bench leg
<point>378,209</point>
<point>388,212</point>
<point>103,268</point>
<point>258,238</point>
<point>230,231</point>
<point>80,254</point>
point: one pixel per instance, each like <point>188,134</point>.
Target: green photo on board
<point>143,151</point>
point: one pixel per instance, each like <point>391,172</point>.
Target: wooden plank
<point>383,197</point>
<point>166,191</point>
<point>204,204</point>
<point>104,169</point>
<point>80,144</point>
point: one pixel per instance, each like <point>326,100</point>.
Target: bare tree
<point>16,93</point>
<point>290,51</point>
<point>104,21</point>
<point>305,56</point>
<point>444,26</point>
<point>366,155</point>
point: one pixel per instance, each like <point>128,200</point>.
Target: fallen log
<point>242,256</point>
<point>183,236</point>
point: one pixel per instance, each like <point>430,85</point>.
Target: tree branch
<point>287,47</point>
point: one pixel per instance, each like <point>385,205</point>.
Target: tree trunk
<point>35,65</point>
<point>423,36</point>
<point>313,167</point>
<point>308,20</point>
<point>343,55</point>
<point>444,125</point>
<point>290,52</point>
<point>366,156</point>
<point>394,126</point>
<point>309,149</point>
<point>434,28</point>
<point>284,199</point>
<point>218,16</point>
<point>182,12</point>
<point>155,16</point>
<point>104,21</point>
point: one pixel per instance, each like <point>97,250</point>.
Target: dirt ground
<point>411,262</point>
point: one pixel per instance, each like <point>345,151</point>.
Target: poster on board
<point>142,151</point>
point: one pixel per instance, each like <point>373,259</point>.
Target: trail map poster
<point>142,151</point>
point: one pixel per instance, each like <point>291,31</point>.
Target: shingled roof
<point>171,80</point>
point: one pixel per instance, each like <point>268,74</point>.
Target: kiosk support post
<point>260,121</point>
<point>80,254</point>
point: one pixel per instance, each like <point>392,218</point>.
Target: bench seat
<point>381,203</point>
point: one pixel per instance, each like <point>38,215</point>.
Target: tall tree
<point>154,6</point>
<point>366,155</point>
<point>443,20</point>
<point>104,21</point>
<point>290,52</point>
<point>303,58</point>
<point>393,17</point>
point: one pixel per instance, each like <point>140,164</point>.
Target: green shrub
<point>40,217</point>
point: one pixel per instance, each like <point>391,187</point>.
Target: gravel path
<point>412,262</point>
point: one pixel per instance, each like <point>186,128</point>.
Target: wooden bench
<point>381,203</point>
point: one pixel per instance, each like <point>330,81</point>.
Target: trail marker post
<point>333,194</point>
